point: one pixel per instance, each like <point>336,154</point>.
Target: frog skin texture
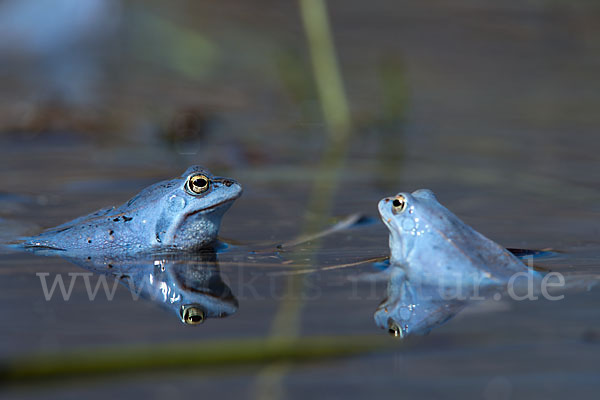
<point>433,245</point>
<point>183,213</point>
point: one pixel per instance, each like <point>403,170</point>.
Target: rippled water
<point>501,124</point>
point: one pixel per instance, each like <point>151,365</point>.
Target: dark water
<point>493,106</point>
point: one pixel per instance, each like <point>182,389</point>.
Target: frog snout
<point>230,186</point>
<point>385,205</point>
<point>228,182</point>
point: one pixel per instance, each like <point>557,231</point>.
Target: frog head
<point>191,208</point>
<point>409,218</point>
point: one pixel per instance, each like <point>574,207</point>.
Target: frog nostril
<point>227,182</point>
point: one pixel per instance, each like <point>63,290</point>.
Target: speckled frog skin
<point>431,243</point>
<point>183,213</point>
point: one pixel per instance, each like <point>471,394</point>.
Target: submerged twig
<point>330,267</point>
<point>342,225</point>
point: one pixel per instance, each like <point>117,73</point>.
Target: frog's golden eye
<point>198,184</point>
<point>395,331</point>
<point>192,315</point>
<point>399,204</point>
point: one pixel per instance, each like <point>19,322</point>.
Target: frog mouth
<point>212,207</point>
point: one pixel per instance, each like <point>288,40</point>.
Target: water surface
<point>500,122</point>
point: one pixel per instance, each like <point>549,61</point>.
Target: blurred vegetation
<point>391,124</point>
<point>395,91</point>
<point>185,51</point>
<point>227,354</point>
<point>334,105</point>
<point>325,68</point>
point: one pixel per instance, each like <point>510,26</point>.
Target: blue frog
<point>183,213</point>
<point>432,244</point>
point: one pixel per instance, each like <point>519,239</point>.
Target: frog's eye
<point>198,184</point>
<point>395,331</point>
<point>192,315</point>
<point>399,204</point>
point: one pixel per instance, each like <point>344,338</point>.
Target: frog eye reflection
<point>399,204</point>
<point>198,184</point>
<point>395,331</point>
<point>192,315</point>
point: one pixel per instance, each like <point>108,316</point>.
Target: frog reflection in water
<point>415,308</point>
<point>183,213</point>
<point>432,253</point>
<point>189,284</point>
